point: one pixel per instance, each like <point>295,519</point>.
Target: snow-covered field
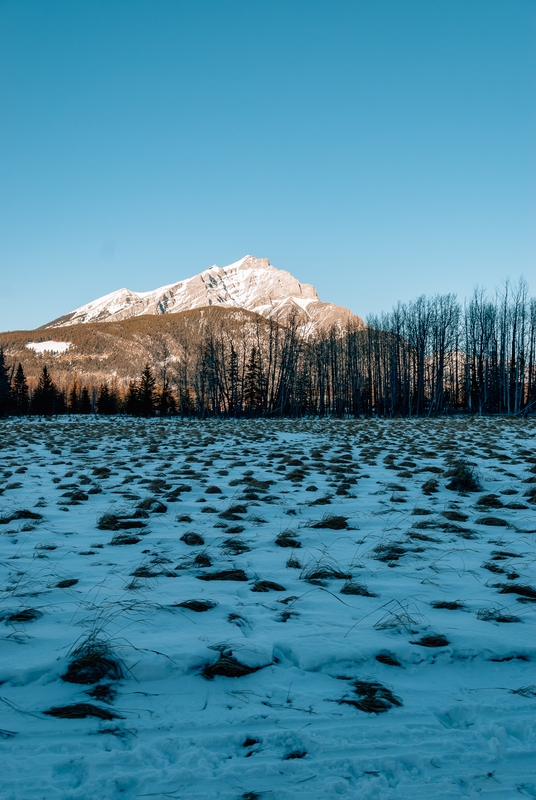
<point>324,665</point>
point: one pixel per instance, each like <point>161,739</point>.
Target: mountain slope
<point>97,352</point>
<point>251,283</point>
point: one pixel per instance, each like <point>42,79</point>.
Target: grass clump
<point>267,586</point>
<point>22,513</point>
<point>295,754</point>
<point>463,478</point>
<point>389,552</point>
<point>389,659</point>
<point>225,575</point>
<point>192,539</point>
<point>496,615</point>
<point>489,501</point>
<point>113,522</point>
<point>432,640</point>
<point>455,516</point>
<point>125,538</point>
<point>323,570</point>
<point>287,539</point>
<point>234,512</point>
<point>235,546</point>
<point>81,711</point>
<point>372,698</point>
<point>430,486</point>
<point>355,588</point>
<point>92,661</point>
<point>197,605</point>
<point>332,522</point>
<point>496,522</point>
<point>203,560</point>
<point>450,605</point>
<point>526,592</point>
<point>24,615</point>
<point>229,667</point>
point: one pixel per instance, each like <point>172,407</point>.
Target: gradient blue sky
<point>378,149</point>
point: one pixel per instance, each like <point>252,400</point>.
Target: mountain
<point>252,284</point>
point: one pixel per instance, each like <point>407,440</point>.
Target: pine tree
<point>233,382</point>
<point>60,406</point>
<point>132,400</point>
<point>73,402</point>
<point>147,393</point>
<point>103,400</point>
<point>5,388</point>
<point>252,390</point>
<point>106,400</point>
<point>84,406</point>
<point>165,402</point>
<point>44,397</point>
<point>20,398</point>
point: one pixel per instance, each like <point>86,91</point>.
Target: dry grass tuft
<point>373,698</point>
<point>496,615</point>
<point>228,667</point>
<point>287,539</point>
<point>125,538</point>
<point>93,661</point>
<point>192,539</point>
<point>197,605</point>
<point>24,615</point>
<point>463,478</point>
<point>450,605</point>
<point>225,575</point>
<point>267,586</point>
<point>332,522</point>
<point>81,711</point>
<point>353,587</point>
<point>389,659</point>
<point>432,640</point>
<point>496,522</point>
<point>526,592</point>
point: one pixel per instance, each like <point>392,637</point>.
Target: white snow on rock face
<point>250,283</point>
<point>49,347</point>
<point>424,560</point>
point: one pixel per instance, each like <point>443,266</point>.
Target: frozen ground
<point>342,697</point>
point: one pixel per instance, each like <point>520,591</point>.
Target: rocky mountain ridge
<point>251,283</point>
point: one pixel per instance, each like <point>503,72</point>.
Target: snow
<point>50,346</point>
<point>466,724</point>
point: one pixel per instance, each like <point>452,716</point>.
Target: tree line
<point>431,356</point>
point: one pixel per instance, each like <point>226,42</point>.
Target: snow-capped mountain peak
<point>250,283</point>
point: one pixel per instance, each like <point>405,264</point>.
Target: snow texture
<point>382,625</point>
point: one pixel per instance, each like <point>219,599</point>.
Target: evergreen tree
<point>84,406</point>
<point>252,390</point>
<point>107,402</point>
<point>5,387</point>
<point>44,397</point>
<point>73,402</point>
<point>147,393</point>
<point>20,398</point>
<point>60,406</point>
<point>165,402</point>
<point>233,382</point>
<point>132,400</point>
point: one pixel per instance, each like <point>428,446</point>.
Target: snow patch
<point>49,347</point>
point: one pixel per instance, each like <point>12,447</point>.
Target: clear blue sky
<point>378,149</point>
